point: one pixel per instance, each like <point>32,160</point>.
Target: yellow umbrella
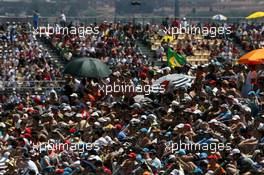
<point>167,38</point>
<point>253,57</point>
<point>255,15</point>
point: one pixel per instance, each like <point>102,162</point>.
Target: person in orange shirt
<point>214,166</point>
<point>91,95</point>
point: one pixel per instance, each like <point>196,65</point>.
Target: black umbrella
<point>87,67</point>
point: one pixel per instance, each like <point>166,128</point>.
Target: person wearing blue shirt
<point>225,113</point>
<point>35,20</point>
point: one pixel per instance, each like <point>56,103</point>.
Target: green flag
<point>174,59</point>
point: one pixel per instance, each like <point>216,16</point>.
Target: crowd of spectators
<point>24,62</point>
<point>215,126</point>
<point>251,36</point>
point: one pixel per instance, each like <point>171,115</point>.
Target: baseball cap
<point>235,151</point>
<point>187,126</point>
<point>175,103</point>
<point>95,157</point>
<point>2,125</point>
<point>143,130</point>
<point>67,108</point>
<point>132,155</point>
<point>136,105</point>
<point>74,95</point>
<point>181,125</point>
<point>236,117</point>
<point>203,155</point>
<point>213,121</point>
<point>143,117</point>
<point>146,150</point>
<point>181,152</point>
<point>224,106</point>
<point>121,135</point>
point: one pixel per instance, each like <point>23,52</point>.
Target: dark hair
<point>32,172</point>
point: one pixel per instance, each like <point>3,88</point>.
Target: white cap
<point>74,95</point>
<point>102,120</point>
<point>135,120</point>
<point>107,119</point>
<point>247,109</point>
<point>143,117</point>
<point>79,115</point>
<point>109,140</point>
<point>67,108</point>
<point>88,103</point>
<point>181,125</point>
<point>152,116</point>
<point>95,114</point>
<point>3,125</point>
<point>101,141</point>
<point>213,121</point>
<point>235,101</point>
<point>236,117</point>
<point>95,157</point>
<point>175,103</point>
<point>260,127</point>
<point>168,69</point>
<point>171,157</point>
<point>136,105</point>
<point>235,151</point>
<point>197,111</point>
<point>97,124</point>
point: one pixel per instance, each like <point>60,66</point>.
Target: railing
<point>133,19</point>
<point>23,86</point>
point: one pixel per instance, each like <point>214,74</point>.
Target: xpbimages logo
<point>57,145</point>
<point>195,30</point>
<point>59,30</point>
<point>194,147</point>
<point>139,89</point>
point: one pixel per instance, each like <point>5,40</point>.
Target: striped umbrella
<point>182,82</point>
<point>174,81</point>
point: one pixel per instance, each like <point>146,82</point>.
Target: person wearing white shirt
<point>29,166</point>
<point>63,19</point>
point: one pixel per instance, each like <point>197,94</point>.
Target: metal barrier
<point>7,84</point>
<point>7,87</point>
<point>132,19</point>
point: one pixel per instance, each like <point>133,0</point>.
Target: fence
<point>132,19</point>
<point>7,87</point>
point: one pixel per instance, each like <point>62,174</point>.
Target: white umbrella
<point>219,17</point>
<point>161,33</point>
<point>175,80</point>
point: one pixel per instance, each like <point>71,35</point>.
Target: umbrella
<point>175,81</point>
<point>87,67</point>
<point>255,15</point>
<point>168,38</point>
<point>219,17</point>
<point>161,32</point>
<point>253,57</point>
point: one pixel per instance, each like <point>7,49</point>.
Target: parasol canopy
<point>87,67</point>
<point>253,57</point>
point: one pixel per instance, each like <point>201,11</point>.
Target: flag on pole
<point>174,59</point>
